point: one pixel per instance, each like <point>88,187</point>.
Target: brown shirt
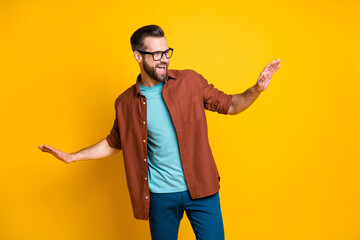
<point>186,95</point>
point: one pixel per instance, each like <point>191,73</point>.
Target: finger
<point>274,64</point>
<point>275,69</point>
<point>52,149</point>
<point>269,70</point>
<point>42,148</point>
<point>49,147</point>
<point>270,66</point>
<point>277,62</point>
<point>267,67</point>
<point>265,70</point>
<point>46,150</point>
<point>278,66</point>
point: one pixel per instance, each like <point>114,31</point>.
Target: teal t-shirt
<point>165,169</point>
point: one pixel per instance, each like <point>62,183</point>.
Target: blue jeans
<point>167,209</point>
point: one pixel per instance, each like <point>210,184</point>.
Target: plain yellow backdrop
<point>289,164</point>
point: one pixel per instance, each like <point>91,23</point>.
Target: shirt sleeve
<point>113,138</point>
<point>214,99</point>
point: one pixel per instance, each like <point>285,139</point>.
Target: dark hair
<point>137,39</point>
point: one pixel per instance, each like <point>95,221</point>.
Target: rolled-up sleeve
<point>113,138</point>
<point>214,99</point>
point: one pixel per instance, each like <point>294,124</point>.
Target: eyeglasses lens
<point>158,55</point>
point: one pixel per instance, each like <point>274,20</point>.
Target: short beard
<point>151,71</point>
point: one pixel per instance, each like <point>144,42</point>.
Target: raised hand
<point>266,74</point>
<point>63,156</point>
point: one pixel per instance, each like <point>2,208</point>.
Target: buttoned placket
<point>143,122</point>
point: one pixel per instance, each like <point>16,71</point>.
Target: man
<point>160,125</point>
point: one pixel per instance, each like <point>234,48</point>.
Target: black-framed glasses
<point>159,54</point>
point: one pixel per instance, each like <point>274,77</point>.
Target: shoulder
<point>186,75</point>
<point>188,79</point>
<point>182,73</point>
<point>126,96</point>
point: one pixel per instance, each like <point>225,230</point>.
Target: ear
<point>138,56</point>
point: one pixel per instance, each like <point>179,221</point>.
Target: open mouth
<point>161,69</point>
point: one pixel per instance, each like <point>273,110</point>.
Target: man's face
<point>157,70</point>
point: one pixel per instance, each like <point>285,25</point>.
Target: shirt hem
<point>170,190</point>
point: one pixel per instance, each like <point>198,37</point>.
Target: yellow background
<point>289,165</point>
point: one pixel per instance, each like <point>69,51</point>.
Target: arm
<point>98,150</point>
<point>240,102</point>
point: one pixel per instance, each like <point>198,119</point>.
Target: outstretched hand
<point>266,74</point>
<point>63,156</point>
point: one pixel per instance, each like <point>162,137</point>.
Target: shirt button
<point>144,159</point>
<point>144,122</point>
<point>144,103</point>
<point>144,140</point>
<point>146,197</point>
<point>145,178</point>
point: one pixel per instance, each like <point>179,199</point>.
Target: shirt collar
<point>171,76</point>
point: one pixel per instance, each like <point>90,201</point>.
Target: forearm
<point>98,150</point>
<point>242,101</point>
